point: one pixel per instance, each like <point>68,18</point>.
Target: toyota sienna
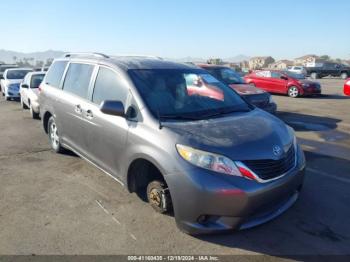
<point>218,164</point>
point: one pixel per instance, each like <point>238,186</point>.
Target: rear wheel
<point>314,75</point>
<point>293,92</point>
<point>344,75</point>
<point>54,136</point>
<point>159,197</point>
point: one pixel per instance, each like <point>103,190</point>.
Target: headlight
<point>305,85</point>
<point>271,100</point>
<point>210,161</point>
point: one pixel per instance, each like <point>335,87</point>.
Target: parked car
<point>328,69</point>
<point>11,81</point>
<point>283,82</point>
<point>347,87</point>
<point>3,67</point>
<point>297,70</point>
<point>29,92</point>
<point>253,95</point>
<point>220,164</point>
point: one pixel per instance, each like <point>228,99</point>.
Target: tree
<point>325,57</point>
<point>14,59</point>
<point>49,61</point>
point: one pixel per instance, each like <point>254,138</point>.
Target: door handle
<point>78,109</point>
<point>89,114</point>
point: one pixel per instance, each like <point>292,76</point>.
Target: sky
<point>179,28</point>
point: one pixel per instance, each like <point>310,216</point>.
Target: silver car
<point>219,163</point>
<point>29,92</point>
<point>11,81</point>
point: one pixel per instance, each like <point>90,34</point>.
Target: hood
<point>246,89</point>
<point>13,81</point>
<point>305,81</point>
<point>241,136</point>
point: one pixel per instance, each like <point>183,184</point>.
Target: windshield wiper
<point>174,117</point>
<point>224,112</point>
<point>178,117</point>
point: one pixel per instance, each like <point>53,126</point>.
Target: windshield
<point>17,74</point>
<point>36,80</point>
<point>294,75</point>
<point>185,93</point>
<point>230,77</point>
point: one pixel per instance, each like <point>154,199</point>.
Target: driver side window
<point>109,86</point>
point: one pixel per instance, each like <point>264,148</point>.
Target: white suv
<point>297,69</point>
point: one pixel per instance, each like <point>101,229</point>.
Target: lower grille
<point>268,169</point>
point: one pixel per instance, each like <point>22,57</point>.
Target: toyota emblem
<point>277,151</point>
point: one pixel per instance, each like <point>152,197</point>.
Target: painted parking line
<point>321,173</point>
<point>114,219</point>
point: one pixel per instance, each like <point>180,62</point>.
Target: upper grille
<point>268,169</point>
<point>259,100</point>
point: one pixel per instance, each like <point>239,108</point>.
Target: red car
<point>283,82</point>
<point>347,87</point>
<point>253,95</point>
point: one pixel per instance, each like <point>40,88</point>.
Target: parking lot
<point>60,204</point>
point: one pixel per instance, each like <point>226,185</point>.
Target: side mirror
<point>114,108</point>
<point>24,86</point>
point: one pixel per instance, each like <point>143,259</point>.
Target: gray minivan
<point>217,162</point>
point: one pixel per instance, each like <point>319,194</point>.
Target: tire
<point>7,98</point>
<point>314,75</point>
<point>54,138</point>
<point>293,92</point>
<point>344,75</point>
<point>33,113</point>
<point>158,196</point>
<point>23,105</point>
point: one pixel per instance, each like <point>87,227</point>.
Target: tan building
<point>281,64</point>
<point>305,60</point>
<point>260,62</point>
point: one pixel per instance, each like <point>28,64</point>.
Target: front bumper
<point>36,107</point>
<point>206,202</point>
<point>312,91</point>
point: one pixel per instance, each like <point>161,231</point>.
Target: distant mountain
<point>237,59</point>
<point>8,56</point>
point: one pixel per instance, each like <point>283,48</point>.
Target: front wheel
<point>34,114</point>
<point>344,75</point>
<point>23,105</point>
<point>293,92</point>
<point>159,197</point>
<point>314,75</point>
<point>54,138</point>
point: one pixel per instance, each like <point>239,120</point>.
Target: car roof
<point>211,66</point>
<point>128,62</point>
<point>37,73</point>
<point>19,68</point>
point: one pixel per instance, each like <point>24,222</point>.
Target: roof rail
<point>136,55</point>
<point>87,54</point>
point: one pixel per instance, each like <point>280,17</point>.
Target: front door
<point>107,134</point>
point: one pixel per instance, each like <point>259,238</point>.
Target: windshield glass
<point>294,75</point>
<point>185,93</point>
<point>36,80</point>
<point>17,74</point>
<point>230,77</point>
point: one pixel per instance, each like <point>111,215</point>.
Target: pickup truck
<point>328,69</point>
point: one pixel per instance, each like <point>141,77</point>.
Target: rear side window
<point>109,86</point>
<point>55,73</point>
<point>78,79</point>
